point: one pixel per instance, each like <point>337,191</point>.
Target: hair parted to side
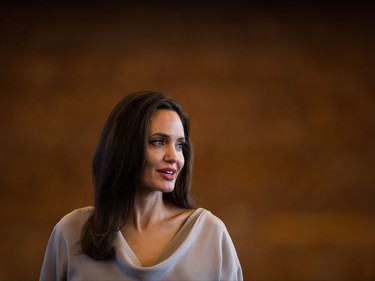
<point>118,164</point>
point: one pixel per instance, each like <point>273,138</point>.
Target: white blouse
<point>201,250</point>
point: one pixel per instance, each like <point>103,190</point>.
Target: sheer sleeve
<point>231,267</point>
<point>55,260</point>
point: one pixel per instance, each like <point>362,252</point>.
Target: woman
<point>143,225</point>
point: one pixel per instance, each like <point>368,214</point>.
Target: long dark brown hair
<point>118,164</point>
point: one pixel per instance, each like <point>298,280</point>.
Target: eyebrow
<point>165,136</point>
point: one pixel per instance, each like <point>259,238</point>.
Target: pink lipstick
<point>167,173</point>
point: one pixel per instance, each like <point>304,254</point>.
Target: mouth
<point>168,173</point>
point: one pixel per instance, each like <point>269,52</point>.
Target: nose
<point>170,155</point>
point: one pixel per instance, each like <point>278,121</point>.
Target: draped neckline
<point>168,251</point>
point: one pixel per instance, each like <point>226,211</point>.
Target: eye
<point>157,142</point>
<point>180,146</point>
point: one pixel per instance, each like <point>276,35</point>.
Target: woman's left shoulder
<point>211,220</point>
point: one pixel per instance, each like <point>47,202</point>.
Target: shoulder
<point>73,222</point>
<point>230,258</point>
<point>77,215</point>
<point>209,217</point>
<point>210,221</point>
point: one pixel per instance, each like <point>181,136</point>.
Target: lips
<point>167,173</point>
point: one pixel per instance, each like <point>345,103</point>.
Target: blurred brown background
<point>282,103</point>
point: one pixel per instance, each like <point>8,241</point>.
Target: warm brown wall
<point>282,106</point>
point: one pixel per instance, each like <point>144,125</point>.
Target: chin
<point>167,189</point>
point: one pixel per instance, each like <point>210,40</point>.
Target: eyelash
<point>160,142</point>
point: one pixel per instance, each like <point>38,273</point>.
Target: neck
<point>149,209</point>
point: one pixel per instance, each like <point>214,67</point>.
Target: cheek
<point>151,159</point>
<point>149,166</point>
<point>181,162</point>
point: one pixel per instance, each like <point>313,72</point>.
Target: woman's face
<point>164,159</point>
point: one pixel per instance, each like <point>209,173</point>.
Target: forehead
<point>166,121</point>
